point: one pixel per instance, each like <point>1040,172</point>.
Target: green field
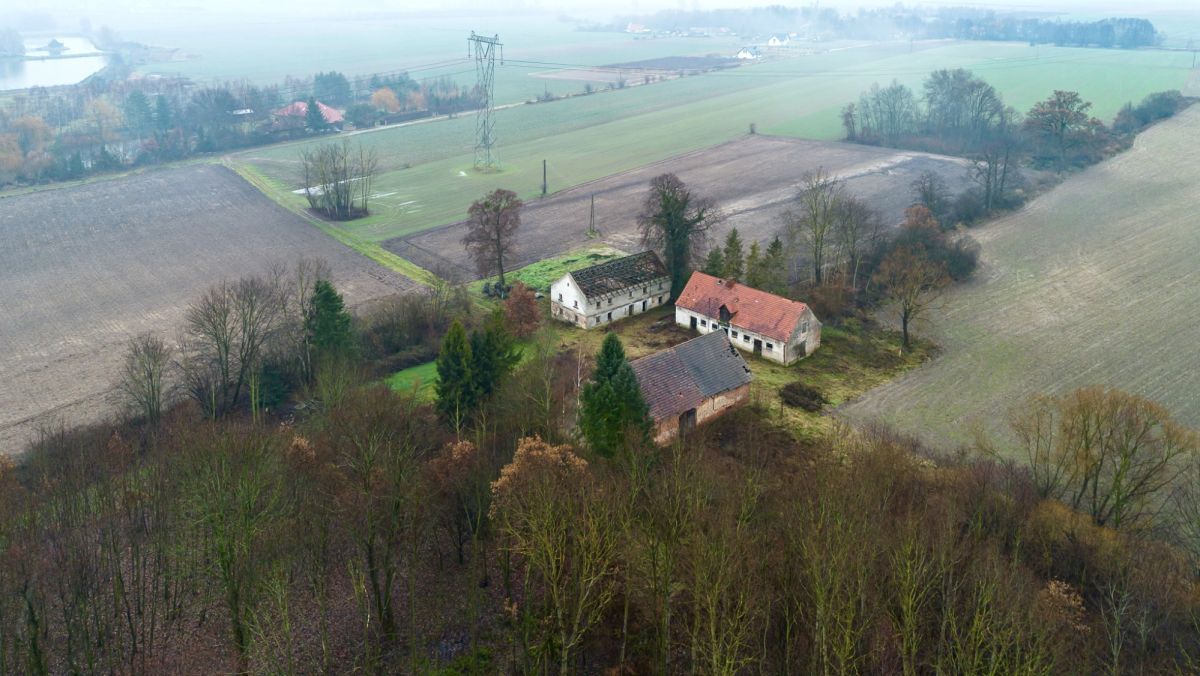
<point>1095,282</point>
<point>427,177</point>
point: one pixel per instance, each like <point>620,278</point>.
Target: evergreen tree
<point>734,263</point>
<point>455,387</point>
<point>493,356</point>
<point>138,113</point>
<point>327,324</point>
<point>313,119</point>
<point>715,263</point>
<point>774,268</point>
<point>611,405</point>
<point>164,118</point>
<point>754,267</point>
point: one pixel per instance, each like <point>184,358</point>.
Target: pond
<point>78,59</point>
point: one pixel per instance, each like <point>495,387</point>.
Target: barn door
<point>687,421</point>
<point>758,347</point>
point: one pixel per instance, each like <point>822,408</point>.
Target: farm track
<point>1096,281</point>
<point>753,178</point>
<point>86,267</point>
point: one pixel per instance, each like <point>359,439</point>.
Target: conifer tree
<point>734,262</point>
<point>493,356</point>
<point>774,268</point>
<point>613,412</point>
<point>327,323</point>
<point>313,119</point>
<point>715,263</point>
<point>754,267</point>
<point>456,396</point>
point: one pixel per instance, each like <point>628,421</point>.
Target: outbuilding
<point>774,327</point>
<point>691,383</point>
<point>610,291</point>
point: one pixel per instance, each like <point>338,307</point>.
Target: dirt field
<point>84,268</point>
<point>753,178</point>
<point>1096,281</point>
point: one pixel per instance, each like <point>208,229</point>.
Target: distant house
<point>749,53</point>
<point>636,28</point>
<point>691,383</point>
<point>774,327</point>
<point>293,115</point>
<point>779,40</point>
<point>609,291</point>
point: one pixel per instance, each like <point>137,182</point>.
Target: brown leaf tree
<point>491,238</point>
<point>912,282</point>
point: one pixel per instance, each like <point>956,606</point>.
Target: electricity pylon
<point>483,50</point>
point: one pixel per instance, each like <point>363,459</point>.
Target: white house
<point>774,327</point>
<point>748,54</point>
<point>779,40</point>
<point>607,292</point>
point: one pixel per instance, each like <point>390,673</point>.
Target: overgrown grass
<point>422,378</point>
<point>540,275</point>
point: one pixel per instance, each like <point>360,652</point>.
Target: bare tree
<point>856,228</point>
<point>811,223</point>
<point>675,222</point>
<point>227,332</point>
<point>995,165</point>
<point>912,282</point>
<point>491,237</point>
<point>1106,452</point>
<point>338,180</point>
<point>929,190</point>
<point>143,377</point>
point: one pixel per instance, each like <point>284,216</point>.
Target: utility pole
<point>483,50</point>
<point>592,233</point>
<point>545,186</point>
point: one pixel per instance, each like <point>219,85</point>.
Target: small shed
<point>691,383</point>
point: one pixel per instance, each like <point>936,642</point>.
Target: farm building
<point>748,54</point>
<point>776,328</point>
<point>691,383</point>
<point>294,114</point>
<point>607,292</point>
<point>779,40</point>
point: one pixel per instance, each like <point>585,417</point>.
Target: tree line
<point>106,124</point>
<point>914,23</point>
<point>958,113</point>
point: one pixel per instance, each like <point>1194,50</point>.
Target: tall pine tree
<point>327,324</point>
<point>754,267</point>
<point>456,396</point>
<point>493,356</point>
<point>734,265</point>
<point>774,268</point>
<point>313,119</point>
<point>715,263</point>
<point>613,414</point>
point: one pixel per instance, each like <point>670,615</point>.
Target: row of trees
<point>962,114</point>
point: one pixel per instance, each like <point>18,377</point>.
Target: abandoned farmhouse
<point>691,383</point>
<point>607,292</point>
<point>776,328</point>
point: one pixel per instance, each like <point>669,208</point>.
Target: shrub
<point>802,396</point>
<point>831,303</point>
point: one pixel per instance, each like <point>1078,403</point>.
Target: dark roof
<point>750,309</point>
<point>622,273</point>
<point>683,377</point>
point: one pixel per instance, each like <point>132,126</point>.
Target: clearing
<point>1094,282</point>
<point>85,268</point>
<point>753,178</point>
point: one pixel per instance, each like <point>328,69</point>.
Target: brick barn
<point>691,383</point>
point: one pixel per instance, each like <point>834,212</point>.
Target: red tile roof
<point>300,109</point>
<point>753,310</point>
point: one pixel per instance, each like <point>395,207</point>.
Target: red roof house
<point>299,109</point>
<point>777,328</point>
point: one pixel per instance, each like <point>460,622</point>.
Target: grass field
<point>87,267</point>
<point>1095,282</point>
<point>427,178</point>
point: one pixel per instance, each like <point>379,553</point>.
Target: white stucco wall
<point>772,348</point>
<point>568,304</point>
